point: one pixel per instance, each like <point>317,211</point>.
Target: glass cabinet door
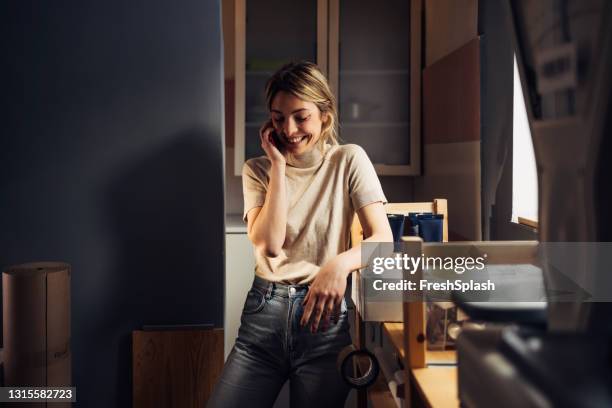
<point>275,32</point>
<point>373,80</point>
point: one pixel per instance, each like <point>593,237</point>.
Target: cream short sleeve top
<point>324,189</point>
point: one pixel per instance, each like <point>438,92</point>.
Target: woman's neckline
<point>311,158</point>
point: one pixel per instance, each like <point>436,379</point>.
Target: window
<point>524,175</point>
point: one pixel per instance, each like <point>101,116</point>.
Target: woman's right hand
<point>269,145</point>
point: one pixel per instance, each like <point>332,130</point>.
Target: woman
<point>299,201</point>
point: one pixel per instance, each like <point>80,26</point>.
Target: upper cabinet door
<point>270,33</point>
<point>370,72</point>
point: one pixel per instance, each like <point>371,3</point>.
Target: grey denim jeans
<point>272,347</point>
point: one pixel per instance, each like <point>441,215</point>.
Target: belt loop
<point>269,291</point>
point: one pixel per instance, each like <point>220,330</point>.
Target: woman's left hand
<point>324,296</point>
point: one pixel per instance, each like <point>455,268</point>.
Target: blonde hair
<point>305,81</point>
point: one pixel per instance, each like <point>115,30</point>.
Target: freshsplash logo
<point>412,264</point>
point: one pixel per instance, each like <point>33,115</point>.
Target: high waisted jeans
<point>272,347</point>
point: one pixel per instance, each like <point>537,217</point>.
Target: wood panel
<point>449,24</point>
<point>451,97</point>
<point>175,368</point>
<point>414,334</point>
<point>229,40</point>
<point>416,69</point>
<point>451,136</point>
<point>453,172</point>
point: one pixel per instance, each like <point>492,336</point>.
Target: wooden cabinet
<point>363,47</point>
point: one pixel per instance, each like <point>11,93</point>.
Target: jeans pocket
<point>254,302</point>
<point>343,307</point>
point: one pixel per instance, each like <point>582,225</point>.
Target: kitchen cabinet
<point>369,68</point>
<point>270,33</point>
<point>365,48</point>
<point>239,273</point>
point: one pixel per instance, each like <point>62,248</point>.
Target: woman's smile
<point>296,140</point>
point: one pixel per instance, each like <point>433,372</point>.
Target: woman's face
<point>297,123</point>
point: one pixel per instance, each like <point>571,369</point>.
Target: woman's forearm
<point>349,261</point>
<point>270,226</point>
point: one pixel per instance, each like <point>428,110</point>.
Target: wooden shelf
<point>447,357</point>
<point>436,383</point>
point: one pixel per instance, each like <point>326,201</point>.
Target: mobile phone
<point>277,141</point>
